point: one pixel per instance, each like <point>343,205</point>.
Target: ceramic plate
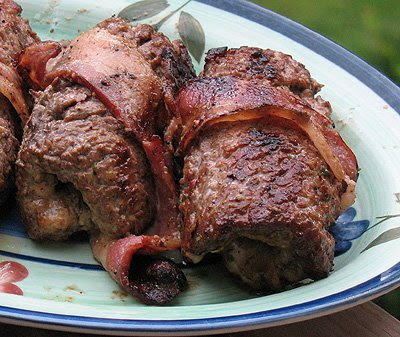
<point>64,288</point>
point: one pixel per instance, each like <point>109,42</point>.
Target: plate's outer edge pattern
<point>335,53</point>
<point>360,293</point>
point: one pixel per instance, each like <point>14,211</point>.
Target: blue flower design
<point>344,230</point>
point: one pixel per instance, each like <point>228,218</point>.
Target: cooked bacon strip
<point>264,177</point>
<point>152,280</point>
<point>33,60</point>
<point>208,101</point>
<point>111,67</point>
<point>15,34</point>
<point>135,72</point>
<point>10,87</point>
<point>267,66</point>
<point>122,80</point>
<point>167,199</point>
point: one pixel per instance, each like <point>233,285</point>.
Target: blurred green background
<point>368,28</point>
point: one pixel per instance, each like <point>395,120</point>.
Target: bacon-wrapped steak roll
<point>264,173</point>
<point>15,35</point>
<point>92,158</point>
<point>268,67</point>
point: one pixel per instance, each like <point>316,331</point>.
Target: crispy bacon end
<point>152,280</point>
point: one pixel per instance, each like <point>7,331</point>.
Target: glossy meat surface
<point>265,174</point>
<point>113,69</point>
<point>169,59</point>
<point>208,101</point>
<point>262,180</point>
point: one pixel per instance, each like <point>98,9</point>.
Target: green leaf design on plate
<point>143,9</point>
<point>389,235</point>
<point>192,34</point>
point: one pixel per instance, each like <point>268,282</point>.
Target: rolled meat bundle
<point>265,174</point>
<point>15,35</point>
<point>92,157</point>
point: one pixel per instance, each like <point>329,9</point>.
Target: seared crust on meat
<point>269,67</point>
<point>170,60</point>
<point>93,157</point>
<point>263,180</point>
<point>78,167</point>
<point>16,34</point>
<point>265,173</point>
<point>208,101</point>
<point>133,71</point>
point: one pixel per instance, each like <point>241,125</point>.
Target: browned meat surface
<point>170,60</point>
<point>265,181</point>
<point>114,61</point>
<point>8,148</point>
<point>15,34</point>
<point>208,101</point>
<point>269,67</point>
<point>112,68</point>
<point>92,157</point>
<point>140,49</point>
<point>107,60</point>
<point>78,168</point>
<point>264,174</point>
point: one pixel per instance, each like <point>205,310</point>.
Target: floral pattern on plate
<point>345,230</point>
<point>11,272</point>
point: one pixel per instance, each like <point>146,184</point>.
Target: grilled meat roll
<point>269,67</point>
<point>15,35</point>
<point>265,174</point>
<point>92,156</point>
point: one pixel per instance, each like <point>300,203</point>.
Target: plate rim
<point>325,305</point>
<point>386,281</point>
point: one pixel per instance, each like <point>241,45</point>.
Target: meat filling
<point>71,137</point>
<point>92,157</point>
<point>264,181</point>
<point>264,172</point>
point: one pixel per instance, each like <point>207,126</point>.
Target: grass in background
<point>371,30</point>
